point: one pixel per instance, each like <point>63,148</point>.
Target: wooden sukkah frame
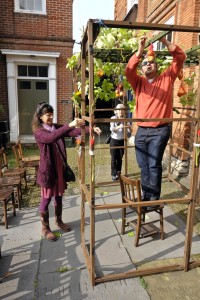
<point>88,190</point>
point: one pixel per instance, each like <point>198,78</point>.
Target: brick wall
<point>51,33</point>
<point>156,7</point>
<point>120,10</point>
<point>3,89</point>
<point>57,22</point>
<point>142,10</point>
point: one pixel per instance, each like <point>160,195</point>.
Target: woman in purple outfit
<point>50,176</point>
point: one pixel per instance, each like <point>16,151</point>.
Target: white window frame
<point>130,4</point>
<point>27,11</point>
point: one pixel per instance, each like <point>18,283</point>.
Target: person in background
<point>117,139</point>
<point>50,140</point>
<point>154,95</point>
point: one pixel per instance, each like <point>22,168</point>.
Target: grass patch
<point>143,283</point>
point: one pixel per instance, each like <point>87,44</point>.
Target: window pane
<point>34,5</point>
<point>25,85</point>
<point>41,85</point>
<point>32,71</point>
<point>43,71</point>
<point>22,4</point>
<point>169,36</point>
<point>38,5</point>
<point>22,70</point>
<point>30,4</point>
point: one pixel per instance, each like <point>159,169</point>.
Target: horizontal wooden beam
<point>142,203</point>
<point>164,120</point>
<point>156,38</point>
<point>180,148</point>
<point>141,25</point>
<point>184,188</point>
<point>142,272</point>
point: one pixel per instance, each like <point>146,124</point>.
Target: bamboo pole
<point>193,189</point>
<point>92,158</point>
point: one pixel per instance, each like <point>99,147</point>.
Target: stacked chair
<point>6,195</point>
<point>11,176</point>
<point>10,181</point>
<point>26,162</point>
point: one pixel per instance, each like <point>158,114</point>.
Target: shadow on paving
<point>33,268</point>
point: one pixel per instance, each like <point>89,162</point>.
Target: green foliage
<point>72,62</point>
<point>76,98</point>
<point>131,105</point>
<point>190,80</point>
<point>107,75</point>
<point>65,269</point>
<point>105,91</point>
<point>142,282</point>
<point>163,63</point>
<point>190,98</point>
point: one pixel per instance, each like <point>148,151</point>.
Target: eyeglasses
<point>144,63</point>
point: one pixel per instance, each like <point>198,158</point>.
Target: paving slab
<point>33,268</point>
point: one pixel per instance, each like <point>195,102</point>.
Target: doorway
<point>30,93</point>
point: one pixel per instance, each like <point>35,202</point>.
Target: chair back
<point>17,155</point>
<point>3,161</point>
<point>19,145</point>
<point>130,189</point>
<point>22,160</point>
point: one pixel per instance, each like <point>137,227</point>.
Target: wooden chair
<point>30,162</point>
<point>131,192</point>
<point>15,182</point>
<point>26,158</point>
<point>5,171</point>
<point>7,195</point>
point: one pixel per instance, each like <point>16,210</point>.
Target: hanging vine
<point>109,75</point>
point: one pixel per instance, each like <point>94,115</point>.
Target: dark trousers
<point>116,156</point>
<point>150,144</point>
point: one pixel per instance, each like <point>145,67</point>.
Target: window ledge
<point>23,11</point>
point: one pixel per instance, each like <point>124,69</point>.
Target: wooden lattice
<point>88,191</point>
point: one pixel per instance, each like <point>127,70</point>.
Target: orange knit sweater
<point>154,100</point>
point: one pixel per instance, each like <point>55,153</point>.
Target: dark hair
<point>42,108</point>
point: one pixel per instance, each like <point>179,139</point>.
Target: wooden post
<point>193,190</point>
<point>91,146</point>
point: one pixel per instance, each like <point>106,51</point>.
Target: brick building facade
<point>35,42</point>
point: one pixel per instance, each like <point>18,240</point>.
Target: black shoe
<point>153,207</point>
<point>114,178</point>
<point>144,199</point>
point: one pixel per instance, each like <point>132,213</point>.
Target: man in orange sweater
<point>153,100</point>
